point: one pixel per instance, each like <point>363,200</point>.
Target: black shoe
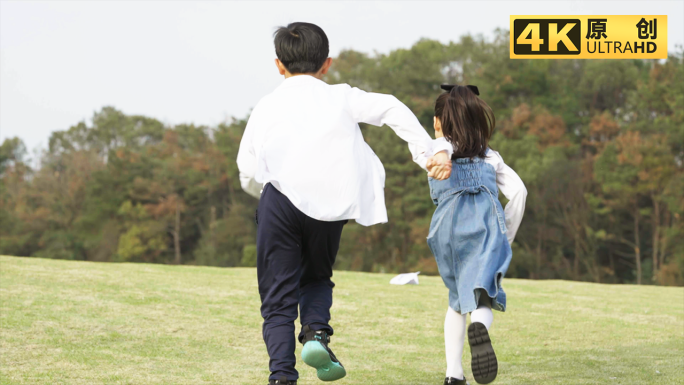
<point>318,355</point>
<point>453,381</point>
<point>282,381</point>
<point>483,364</point>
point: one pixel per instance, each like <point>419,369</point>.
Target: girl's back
<point>468,234</point>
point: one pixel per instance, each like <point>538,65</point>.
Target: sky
<point>205,62</point>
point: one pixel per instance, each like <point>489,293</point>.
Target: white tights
<point>454,334</point>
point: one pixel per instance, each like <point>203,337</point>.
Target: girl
<point>470,233</point>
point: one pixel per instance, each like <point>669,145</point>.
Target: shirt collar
<point>297,80</point>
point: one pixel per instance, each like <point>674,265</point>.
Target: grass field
<point>94,323</point>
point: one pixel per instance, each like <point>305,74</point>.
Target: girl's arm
<point>513,188</point>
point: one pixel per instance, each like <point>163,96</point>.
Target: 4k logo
<point>547,37</point>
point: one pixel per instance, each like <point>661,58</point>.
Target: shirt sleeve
<point>247,160</point>
<point>380,109</point>
<point>513,188</point>
<point>439,145</point>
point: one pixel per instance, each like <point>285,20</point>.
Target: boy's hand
<point>439,166</point>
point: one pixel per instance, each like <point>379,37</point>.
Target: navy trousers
<point>295,255</point>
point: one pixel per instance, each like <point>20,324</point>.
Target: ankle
<point>282,381</point>
<point>315,335</point>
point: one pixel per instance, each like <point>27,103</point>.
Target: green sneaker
<point>318,355</point>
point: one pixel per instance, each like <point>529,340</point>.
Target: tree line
<point>598,143</point>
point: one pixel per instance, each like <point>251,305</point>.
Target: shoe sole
<point>315,355</point>
<point>484,364</point>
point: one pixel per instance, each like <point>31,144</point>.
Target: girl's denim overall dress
<point>468,235</point>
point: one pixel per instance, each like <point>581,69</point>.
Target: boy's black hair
<point>301,47</point>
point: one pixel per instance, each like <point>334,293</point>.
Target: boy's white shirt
<point>513,188</point>
<point>305,140</point>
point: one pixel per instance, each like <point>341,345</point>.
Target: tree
<point>599,145</point>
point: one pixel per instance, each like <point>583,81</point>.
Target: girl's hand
<point>439,166</point>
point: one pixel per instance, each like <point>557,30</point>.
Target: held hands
<point>439,166</point>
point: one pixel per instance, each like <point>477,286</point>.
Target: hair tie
<point>449,87</point>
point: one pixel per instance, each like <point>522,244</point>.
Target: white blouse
<point>305,140</point>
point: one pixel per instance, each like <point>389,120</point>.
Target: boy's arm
<point>379,109</point>
<point>513,188</point>
<point>247,161</point>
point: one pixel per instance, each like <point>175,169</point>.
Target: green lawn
<point>92,323</point>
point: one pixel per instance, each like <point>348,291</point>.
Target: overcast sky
<point>203,62</point>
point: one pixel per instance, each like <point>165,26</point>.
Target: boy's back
<point>306,146</point>
<point>305,141</point>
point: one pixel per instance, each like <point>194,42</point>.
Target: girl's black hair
<point>467,121</point>
<point>301,47</point>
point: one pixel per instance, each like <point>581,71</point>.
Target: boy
<point>303,155</point>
